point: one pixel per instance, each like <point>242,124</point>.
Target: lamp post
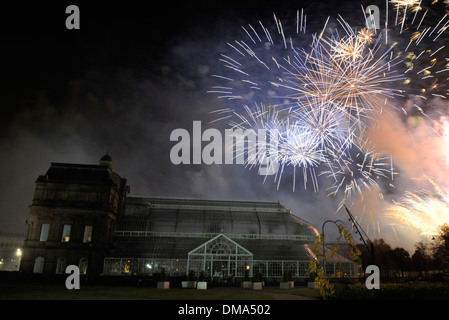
<point>323,235</point>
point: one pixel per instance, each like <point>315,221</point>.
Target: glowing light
<point>423,210</point>
<point>405,2</point>
<point>366,35</point>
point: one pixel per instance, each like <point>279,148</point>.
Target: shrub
<point>393,291</point>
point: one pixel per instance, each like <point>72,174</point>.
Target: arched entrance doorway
<point>220,257</point>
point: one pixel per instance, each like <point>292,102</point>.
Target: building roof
<point>80,173</point>
<point>171,227</point>
<point>185,215</point>
<point>106,157</point>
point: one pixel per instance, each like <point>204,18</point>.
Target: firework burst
<point>325,90</point>
<point>354,174</point>
<point>285,139</point>
<point>424,210</point>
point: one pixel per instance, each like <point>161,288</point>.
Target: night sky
<point>133,73</point>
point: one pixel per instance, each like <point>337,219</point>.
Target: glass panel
<point>44,232</point>
<point>273,223</point>
<point>38,265</point>
<point>83,265</point>
<point>66,233</point>
<point>190,221</point>
<point>87,234</point>
<point>61,265</point>
<point>275,269</point>
<point>162,221</point>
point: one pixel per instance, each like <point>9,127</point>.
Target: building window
<point>83,266</point>
<point>38,265</point>
<point>87,234</point>
<point>44,232</point>
<point>60,265</point>
<point>66,233</point>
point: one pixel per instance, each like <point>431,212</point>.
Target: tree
<point>421,258</point>
<point>441,248</point>
<point>388,260</point>
<point>326,288</point>
<point>381,249</point>
<point>400,260</point>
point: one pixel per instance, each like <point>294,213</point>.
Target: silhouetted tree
<point>381,250</point>
<point>421,258</point>
<point>399,260</point>
<point>390,261</point>
<point>440,248</point>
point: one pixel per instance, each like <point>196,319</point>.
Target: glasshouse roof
<point>169,228</point>
<point>180,215</point>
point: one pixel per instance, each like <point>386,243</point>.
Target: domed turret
<point>106,160</point>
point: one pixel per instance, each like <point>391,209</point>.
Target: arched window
<point>60,265</point>
<point>38,265</point>
<point>83,265</point>
<point>220,256</point>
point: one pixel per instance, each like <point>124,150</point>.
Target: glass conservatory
<point>222,239</point>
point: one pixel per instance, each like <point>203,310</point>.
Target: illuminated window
<point>87,234</point>
<point>66,233</point>
<point>127,266</point>
<point>44,232</point>
<point>83,265</point>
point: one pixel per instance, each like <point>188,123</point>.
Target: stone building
<point>73,216</point>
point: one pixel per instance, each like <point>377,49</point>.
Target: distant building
<point>83,215</point>
<point>11,245</point>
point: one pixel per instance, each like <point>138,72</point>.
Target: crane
<point>363,236</point>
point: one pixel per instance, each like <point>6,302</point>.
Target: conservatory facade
<point>216,238</point>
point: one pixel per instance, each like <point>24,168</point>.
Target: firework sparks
<point>360,172</point>
<point>326,90</point>
<point>366,35</point>
<point>286,139</point>
<point>423,210</point>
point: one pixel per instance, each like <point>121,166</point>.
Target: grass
<point>394,291</point>
<point>58,291</point>
<point>38,291</point>
<point>310,293</point>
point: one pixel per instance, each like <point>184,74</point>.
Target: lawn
<point>55,291</point>
<point>303,292</point>
<point>413,290</point>
<point>38,291</point>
